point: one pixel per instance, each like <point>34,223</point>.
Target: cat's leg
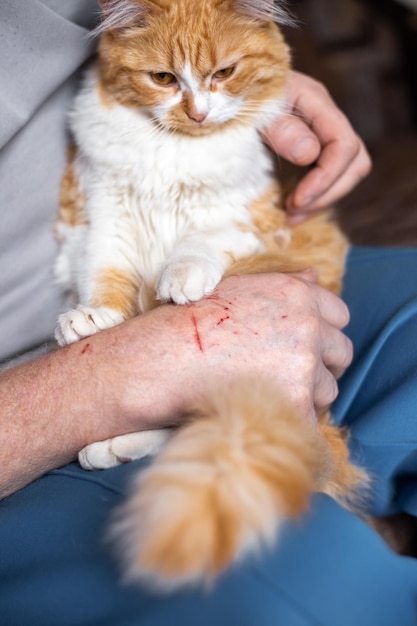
<point>108,297</point>
<point>99,261</point>
<point>123,449</point>
<point>189,277</point>
<point>198,262</point>
<point>106,281</point>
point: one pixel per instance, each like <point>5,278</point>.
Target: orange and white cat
<point>170,187</point>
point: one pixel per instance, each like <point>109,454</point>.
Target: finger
<point>291,138</point>
<point>332,308</point>
<point>334,182</point>
<point>340,145</point>
<point>337,351</point>
<point>325,389</point>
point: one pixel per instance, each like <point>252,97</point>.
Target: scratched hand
<point>279,325</point>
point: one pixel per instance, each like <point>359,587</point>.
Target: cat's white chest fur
<point>156,194</point>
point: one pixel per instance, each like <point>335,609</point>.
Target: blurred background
<point>365,51</point>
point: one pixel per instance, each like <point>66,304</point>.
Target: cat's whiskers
<point>254,113</point>
<point>253,108</point>
<point>152,130</point>
<point>283,107</point>
<point>257,117</point>
<point>162,128</point>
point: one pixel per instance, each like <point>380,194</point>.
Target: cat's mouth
<point>194,128</point>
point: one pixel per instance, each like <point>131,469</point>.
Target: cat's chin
<point>197,130</point>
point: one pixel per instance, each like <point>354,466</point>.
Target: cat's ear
<point>123,14</point>
<point>266,10</point>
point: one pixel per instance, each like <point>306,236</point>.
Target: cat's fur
<point>169,188</point>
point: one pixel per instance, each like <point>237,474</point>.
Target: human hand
<point>144,373</point>
<point>317,132</point>
<point>280,326</point>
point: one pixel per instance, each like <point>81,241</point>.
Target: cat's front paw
<point>122,449</point>
<point>84,321</point>
<point>188,279</point>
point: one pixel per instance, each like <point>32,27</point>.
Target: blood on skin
<point>86,347</point>
<point>223,319</point>
<point>219,300</point>
<point>196,333</point>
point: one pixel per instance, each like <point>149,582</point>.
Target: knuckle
<point>321,88</point>
<point>308,332</point>
<point>352,146</point>
<point>361,160</point>
<point>344,314</point>
<point>309,364</point>
<point>348,353</point>
<point>298,287</point>
<point>333,389</point>
<point>364,167</point>
<point>328,392</point>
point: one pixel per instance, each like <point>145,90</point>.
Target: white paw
<point>122,449</point>
<point>188,279</point>
<point>84,321</point>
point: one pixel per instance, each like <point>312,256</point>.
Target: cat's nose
<point>197,117</point>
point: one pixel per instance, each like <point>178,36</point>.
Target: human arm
<point>145,372</point>
<point>316,133</point>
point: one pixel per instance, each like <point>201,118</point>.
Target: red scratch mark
<point>197,334</point>
<point>218,300</point>
<point>284,317</point>
<point>86,347</point>
<point>223,319</point>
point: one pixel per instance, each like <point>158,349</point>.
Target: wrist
<point>149,365</point>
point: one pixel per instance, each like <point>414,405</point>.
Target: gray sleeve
<point>39,49</point>
<point>43,46</point>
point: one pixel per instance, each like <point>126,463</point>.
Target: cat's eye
<point>163,78</point>
<point>224,73</point>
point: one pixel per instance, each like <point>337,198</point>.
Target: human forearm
<point>39,428</point>
<point>104,386</point>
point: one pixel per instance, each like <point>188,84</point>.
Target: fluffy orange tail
<point>222,486</point>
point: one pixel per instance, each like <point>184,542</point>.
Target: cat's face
<point>194,65</point>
